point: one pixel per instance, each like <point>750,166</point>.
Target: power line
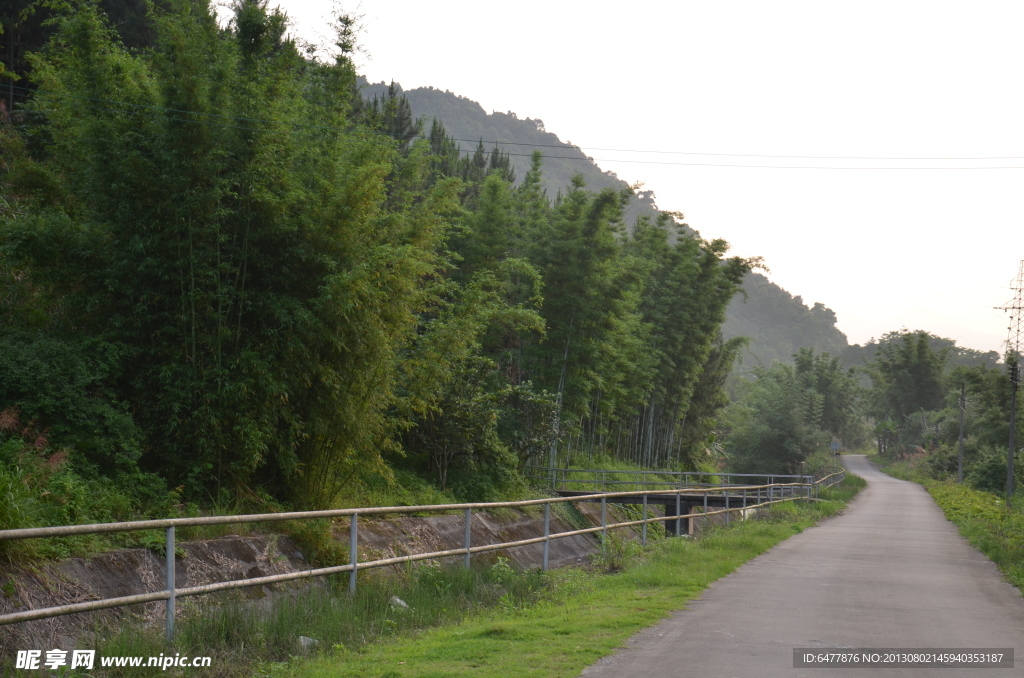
<point>497,143</point>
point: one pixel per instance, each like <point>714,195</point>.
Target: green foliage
<point>222,265</point>
<point>840,396</point>
<point>42,486</point>
<point>19,506</point>
<point>907,377</point>
<point>468,122</point>
<point>986,522</point>
<point>239,640</point>
<point>778,422</point>
<point>986,417</point>
<point>699,437</point>
<point>618,552</point>
<point>959,356</point>
<point>64,392</point>
<point>260,284</point>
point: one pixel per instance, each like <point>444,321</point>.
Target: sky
<point>901,242</point>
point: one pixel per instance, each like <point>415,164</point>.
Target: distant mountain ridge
<point>467,122</point>
<point>777,322</point>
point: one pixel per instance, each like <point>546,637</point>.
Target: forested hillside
<point>776,323</point>
<point>468,124</point>
<point>779,324</point>
<point>226,276</point>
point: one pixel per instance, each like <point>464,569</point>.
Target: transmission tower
<point>1013,346</point>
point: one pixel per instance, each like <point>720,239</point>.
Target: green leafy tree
<point>221,224</point>
<point>776,425</point>
<point>698,441</point>
<point>686,292</point>
<point>837,387</point>
<point>907,381</point>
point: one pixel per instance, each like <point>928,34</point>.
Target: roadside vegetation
<point>916,409</point>
<point>460,621</point>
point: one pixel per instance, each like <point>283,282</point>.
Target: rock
<point>308,643</point>
<point>398,604</point>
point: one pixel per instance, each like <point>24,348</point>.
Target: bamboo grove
<point>223,268</point>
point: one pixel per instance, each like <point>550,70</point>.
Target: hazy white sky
<point>931,249</point>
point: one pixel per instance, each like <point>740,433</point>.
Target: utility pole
<point>960,453</point>
<point>1014,380</point>
<point>1013,345</point>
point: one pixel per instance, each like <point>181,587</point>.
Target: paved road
<point>890,572</point>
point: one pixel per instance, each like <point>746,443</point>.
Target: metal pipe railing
<point>560,478</point>
<point>171,593</point>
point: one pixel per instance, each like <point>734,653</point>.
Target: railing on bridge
<point>605,479</point>
<point>767,494</point>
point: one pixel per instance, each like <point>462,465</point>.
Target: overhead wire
<point>96,101</point>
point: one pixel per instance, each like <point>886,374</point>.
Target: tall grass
<point>238,634</point>
<point>844,491</point>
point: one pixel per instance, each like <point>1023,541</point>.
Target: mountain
<point>777,322</point>
<point>467,122</point>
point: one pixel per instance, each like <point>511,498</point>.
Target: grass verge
<point>983,518</point>
<point>580,616</point>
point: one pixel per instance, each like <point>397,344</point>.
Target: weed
<point>618,553</point>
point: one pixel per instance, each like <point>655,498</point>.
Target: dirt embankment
<point>134,571</point>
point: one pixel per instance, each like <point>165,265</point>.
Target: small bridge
<point>709,491</point>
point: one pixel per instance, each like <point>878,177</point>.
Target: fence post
<point>604,522</point>
<point>169,558</point>
<point>728,514</point>
<point>353,552</point>
<point>469,523</point>
<point>679,521</point>
<point>704,520</point>
<point>643,531</point>
<point>547,532</point>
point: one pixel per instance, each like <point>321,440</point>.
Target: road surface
<point>890,572</point>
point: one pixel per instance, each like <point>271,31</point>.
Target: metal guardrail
<point>560,478</point>
<point>773,494</point>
